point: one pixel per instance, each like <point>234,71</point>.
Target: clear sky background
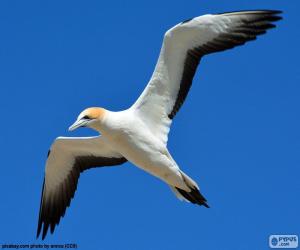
<point>237,134</point>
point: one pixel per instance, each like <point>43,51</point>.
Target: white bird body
<point>140,134</point>
<point>128,135</point>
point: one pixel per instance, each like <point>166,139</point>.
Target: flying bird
<point>139,134</point>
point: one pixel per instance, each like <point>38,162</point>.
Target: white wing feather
<point>67,158</point>
<point>182,48</point>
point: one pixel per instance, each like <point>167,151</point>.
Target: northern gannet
<point>139,134</point>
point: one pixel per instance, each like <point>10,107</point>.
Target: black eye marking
<point>86,117</point>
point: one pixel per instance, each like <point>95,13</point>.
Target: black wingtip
<point>259,11</point>
<point>40,213</point>
<point>38,231</point>
<point>276,11</point>
<point>275,15</point>
<point>272,12</point>
<point>45,230</point>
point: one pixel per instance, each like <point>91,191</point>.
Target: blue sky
<point>237,134</point>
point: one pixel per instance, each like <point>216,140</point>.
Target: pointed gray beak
<point>77,124</point>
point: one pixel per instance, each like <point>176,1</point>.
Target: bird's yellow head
<point>88,118</point>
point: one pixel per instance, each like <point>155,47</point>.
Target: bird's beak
<point>77,124</point>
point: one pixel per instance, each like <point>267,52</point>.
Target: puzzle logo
<point>283,241</point>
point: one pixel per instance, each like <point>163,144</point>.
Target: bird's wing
<point>183,47</point>
<point>67,158</point>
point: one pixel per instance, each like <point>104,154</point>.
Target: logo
<point>274,241</point>
<point>283,241</point>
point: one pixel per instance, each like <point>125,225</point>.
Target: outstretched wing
<point>183,47</point>
<point>67,158</point>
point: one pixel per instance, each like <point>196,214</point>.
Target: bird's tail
<point>194,196</point>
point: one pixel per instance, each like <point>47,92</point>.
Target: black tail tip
<point>206,205</point>
<point>194,197</point>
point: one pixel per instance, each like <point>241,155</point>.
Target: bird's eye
<point>86,117</point>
